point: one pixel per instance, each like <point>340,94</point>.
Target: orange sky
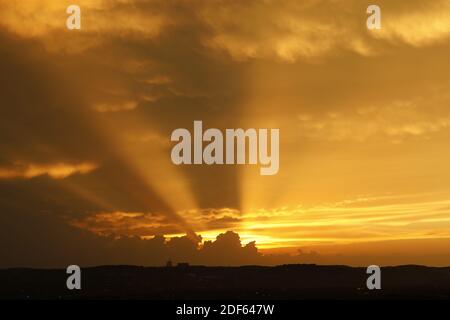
<point>364,119</point>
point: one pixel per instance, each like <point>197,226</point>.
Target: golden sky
<point>364,119</point>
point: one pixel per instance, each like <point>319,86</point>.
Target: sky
<point>86,118</point>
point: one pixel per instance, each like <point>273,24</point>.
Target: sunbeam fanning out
<point>360,120</point>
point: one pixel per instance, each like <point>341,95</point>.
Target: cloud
<point>395,122</point>
<point>45,242</point>
<point>290,30</point>
<point>417,25</point>
<point>145,225</point>
<point>124,106</point>
<point>50,243</point>
<point>366,219</point>
<point>45,20</point>
<point>363,219</point>
<point>54,171</point>
<point>125,224</point>
<point>287,30</point>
